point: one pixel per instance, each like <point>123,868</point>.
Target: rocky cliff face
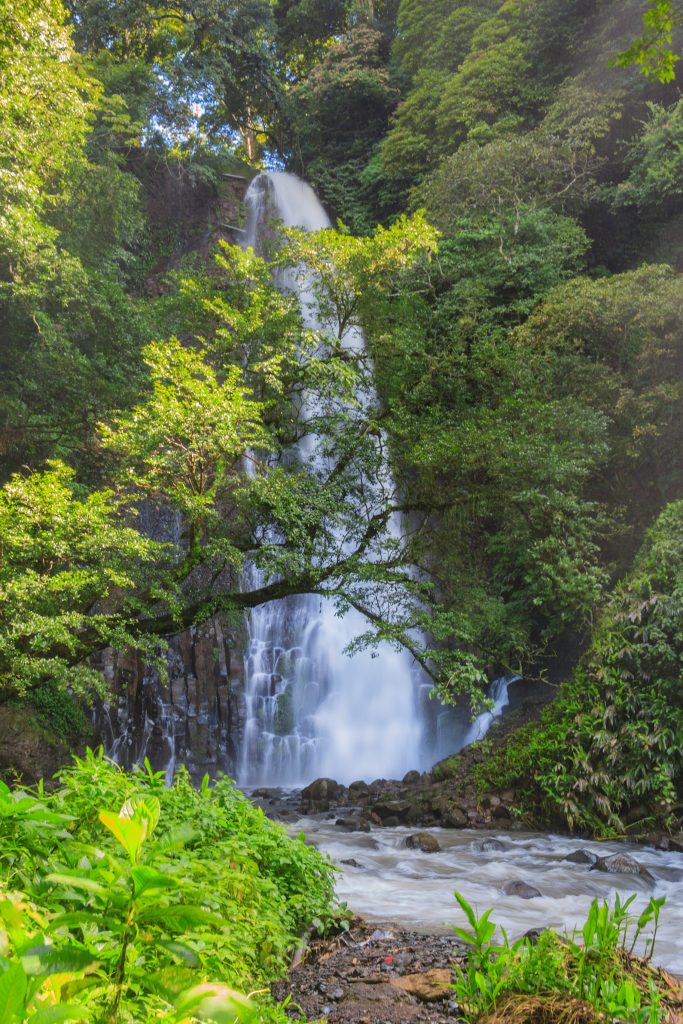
<point>191,713</point>
<point>187,709</point>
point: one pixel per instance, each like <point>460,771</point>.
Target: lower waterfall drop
<point>312,710</point>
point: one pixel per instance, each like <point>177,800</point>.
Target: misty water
<point>397,884</point>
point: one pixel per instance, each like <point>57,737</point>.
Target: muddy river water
<point>390,882</point>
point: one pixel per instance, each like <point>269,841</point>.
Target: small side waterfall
<point>311,709</point>
<point>498,693</point>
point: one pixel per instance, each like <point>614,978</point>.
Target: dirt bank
<point>374,974</point>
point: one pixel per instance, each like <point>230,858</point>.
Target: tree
<point>68,234</point>
<point>197,67</point>
<point>337,114</point>
<point>72,567</point>
<point>183,445</point>
<point>616,342</point>
<point>320,526</point>
<point>46,101</point>
<point>653,51</point>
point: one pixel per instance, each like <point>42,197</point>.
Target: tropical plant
<point>590,966</point>
<point>160,910</point>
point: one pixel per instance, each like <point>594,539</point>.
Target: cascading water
<point>312,710</point>
<point>498,693</point>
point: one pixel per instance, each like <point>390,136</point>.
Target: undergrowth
<point>606,754</point>
<point>126,902</point>
<point>585,977</point>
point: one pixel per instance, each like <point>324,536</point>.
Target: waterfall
<point>312,710</point>
<point>498,693</point>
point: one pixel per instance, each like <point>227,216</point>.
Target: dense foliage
<point>590,974</point>
<point>123,900</point>
<point>525,331</point>
<point>608,752</point>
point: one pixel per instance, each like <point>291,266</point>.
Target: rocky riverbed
<point>375,974</point>
<point>402,849</point>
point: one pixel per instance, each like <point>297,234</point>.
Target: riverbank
<point>376,973</point>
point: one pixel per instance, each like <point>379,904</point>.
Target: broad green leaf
<point>76,881</point>
<point>146,878</point>
<point>55,1014</point>
<point>142,808</point>
<point>219,1004</point>
<point>68,960</point>
<point>180,915</point>
<point>13,984</point>
<point>129,832</point>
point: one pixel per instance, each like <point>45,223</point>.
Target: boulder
<point>454,817</point>
<point>501,813</point>
<point>621,864</point>
<point>319,795</point>
<point>423,841</point>
<point>411,778</point>
<point>397,809</point>
<point>521,889</point>
<point>581,857</point>
<point>491,845</point>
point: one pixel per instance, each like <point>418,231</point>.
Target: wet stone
<point>622,864</point>
<point>521,889</point>
<point>581,857</point>
<point>491,846</point>
<point>423,841</point>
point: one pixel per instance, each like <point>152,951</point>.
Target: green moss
<point>58,712</point>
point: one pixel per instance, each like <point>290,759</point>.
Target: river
<point>415,889</point>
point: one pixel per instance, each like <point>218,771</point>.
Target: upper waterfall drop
<point>312,710</point>
<point>291,200</point>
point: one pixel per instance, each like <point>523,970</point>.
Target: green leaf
<point>77,881</point>
<point>13,985</point>
<point>218,1003</point>
<point>467,909</point>
<point>180,915</point>
<point>54,1014</point>
<point>67,960</point>
<point>142,808</point>
<point>129,832</point>
<point>146,878</point>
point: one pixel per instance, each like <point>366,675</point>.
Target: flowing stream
<point>394,883</point>
<point>311,709</point>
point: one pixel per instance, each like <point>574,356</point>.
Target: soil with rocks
<point>374,974</point>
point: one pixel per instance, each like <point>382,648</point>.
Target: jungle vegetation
<point>509,188</point>
<point>507,182</point>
